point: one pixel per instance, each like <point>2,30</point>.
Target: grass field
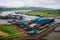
<point>42,13</point>
<point>8,29</point>
<point>12,33</point>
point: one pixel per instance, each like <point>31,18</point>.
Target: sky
<point>36,3</point>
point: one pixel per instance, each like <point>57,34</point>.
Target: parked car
<point>32,32</point>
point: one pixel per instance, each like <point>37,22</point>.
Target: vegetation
<point>1,37</point>
<point>43,13</point>
<point>16,36</point>
<point>12,33</point>
<point>8,29</point>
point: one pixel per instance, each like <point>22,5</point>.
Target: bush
<point>1,37</point>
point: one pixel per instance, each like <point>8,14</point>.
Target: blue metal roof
<point>39,19</point>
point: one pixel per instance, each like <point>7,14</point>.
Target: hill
<point>24,8</point>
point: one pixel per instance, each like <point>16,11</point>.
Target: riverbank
<point>42,13</point>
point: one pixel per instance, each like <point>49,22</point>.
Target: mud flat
<point>53,36</point>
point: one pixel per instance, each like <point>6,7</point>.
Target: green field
<point>11,32</point>
<point>8,29</point>
<point>43,13</point>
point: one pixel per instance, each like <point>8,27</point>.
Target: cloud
<point>38,3</point>
<point>11,3</point>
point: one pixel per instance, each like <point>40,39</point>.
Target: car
<point>32,32</point>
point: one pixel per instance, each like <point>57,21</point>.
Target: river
<point>4,13</point>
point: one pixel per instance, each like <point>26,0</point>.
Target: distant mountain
<point>34,8</point>
<point>3,7</point>
<point>24,8</point>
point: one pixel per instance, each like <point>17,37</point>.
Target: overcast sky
<point>38,3</point>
